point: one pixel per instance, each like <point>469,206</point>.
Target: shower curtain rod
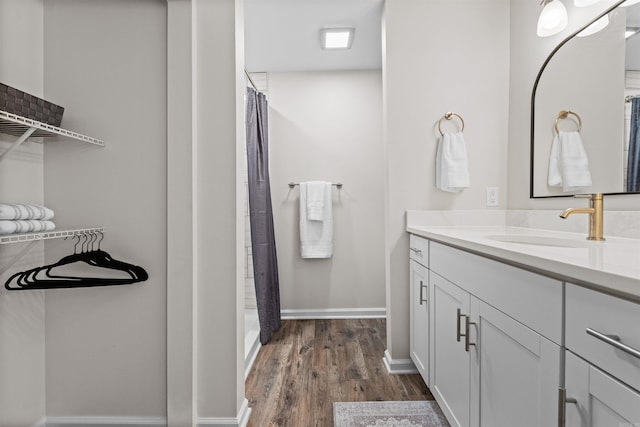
<point>628,98</point>
<point>250,80</point>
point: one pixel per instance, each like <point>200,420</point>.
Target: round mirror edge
<point>533,102</point>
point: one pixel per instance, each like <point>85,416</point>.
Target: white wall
<point>328,126</point>
<point>439,56</point>
<point>105,61</point>
<point>22,346</point>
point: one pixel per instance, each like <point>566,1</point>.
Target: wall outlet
<point>492,196</point>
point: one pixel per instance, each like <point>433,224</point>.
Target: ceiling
<point>284,35</point>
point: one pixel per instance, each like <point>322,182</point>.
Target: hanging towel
<point>316,237</point>
<point>316,195</point>
<point>24,211</point>
<point>452,166</point>
<point>568,162</point>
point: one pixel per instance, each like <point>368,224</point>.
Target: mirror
<point>593,78</point>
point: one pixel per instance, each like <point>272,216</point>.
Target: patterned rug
<point>424,413</point>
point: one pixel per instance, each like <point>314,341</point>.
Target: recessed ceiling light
<point>336,38</point>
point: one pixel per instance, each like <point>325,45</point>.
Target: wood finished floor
<point>309,364</point>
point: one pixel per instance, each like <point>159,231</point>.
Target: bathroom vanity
<point>522,327</point>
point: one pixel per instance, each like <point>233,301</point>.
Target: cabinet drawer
<point>419,250</point>
<point>590,313</point>
<point>531,299</point>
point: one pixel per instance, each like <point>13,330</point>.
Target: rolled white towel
<point>20,211</point>
<point>8,227</point>
<point>25,226</point>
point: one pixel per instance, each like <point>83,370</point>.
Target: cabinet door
<point>515,372</point>
<point>419,326</point>
<point>448,358</point>
<point>601,400</point>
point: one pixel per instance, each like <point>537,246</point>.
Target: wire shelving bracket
<point>24,128</point>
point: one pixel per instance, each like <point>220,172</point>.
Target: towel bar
<point>337,184</point>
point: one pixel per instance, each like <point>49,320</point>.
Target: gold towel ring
<point>449,115</point>
<point>563,115</point>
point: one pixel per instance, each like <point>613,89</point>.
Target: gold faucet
<point>595,215</point>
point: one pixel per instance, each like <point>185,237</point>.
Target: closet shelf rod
<point>46,235</point>
<point>337,184</point>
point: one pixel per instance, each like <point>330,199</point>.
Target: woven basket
<point>26,105</point>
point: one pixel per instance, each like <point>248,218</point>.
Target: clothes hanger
<point>33,279</point>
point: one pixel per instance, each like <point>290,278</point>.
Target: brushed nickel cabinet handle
<point>467,338</point>
<point>416,251</point>
<point>615,341</point>
<point>422,286</point>
<point>562,406</point>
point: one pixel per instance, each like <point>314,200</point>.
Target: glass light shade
<point>553,19</point>
<point>595,27</point>
<point>584,3</point>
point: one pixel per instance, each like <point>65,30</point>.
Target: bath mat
<point>424,413</point>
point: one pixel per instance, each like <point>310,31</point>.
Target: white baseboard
<point>104,421</point>
<point>335,313</point>
<point>398,366</point>
<point>239,421</point>
<point>251,356</point>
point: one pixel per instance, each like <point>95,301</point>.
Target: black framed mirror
<point>595,78</point>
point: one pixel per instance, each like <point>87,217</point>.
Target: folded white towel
<point>24,211</point>
<point>316,237</point>
<point>25,226</point>
<point>452,166</point>
<point>568,162</point>
<point>316,194</point>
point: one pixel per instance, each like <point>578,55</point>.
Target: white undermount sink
<point>524,239</point>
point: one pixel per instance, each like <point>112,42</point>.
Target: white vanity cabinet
<point>449,361</point>
<point>495,334</point>
<point>419,305</point>
<point>602,360</point>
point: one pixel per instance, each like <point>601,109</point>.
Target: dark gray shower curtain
<point>633,161</point>
<point>263,241</point>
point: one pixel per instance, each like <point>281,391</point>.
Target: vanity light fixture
<point>629,3</point>
<point>595,27</point>
<point>336,38</point>
<point>584,3</point>
<point>552,19</point>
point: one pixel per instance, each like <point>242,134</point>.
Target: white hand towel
<point>316,194</point>
<point>24,211</point>
<point>568,162</point>
<point>316,237</point>
<point>452,166</point>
